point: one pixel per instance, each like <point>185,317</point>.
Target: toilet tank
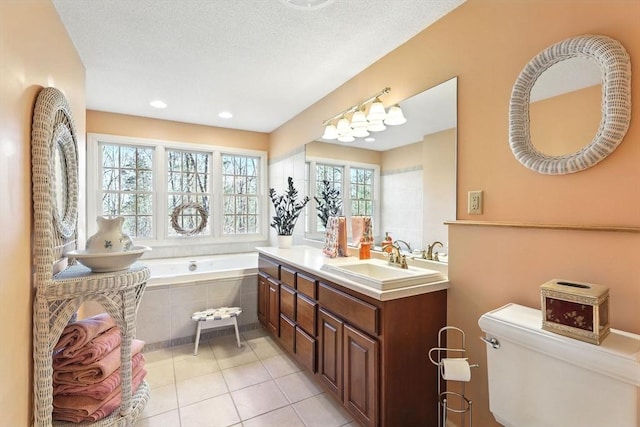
<point>541,379</point>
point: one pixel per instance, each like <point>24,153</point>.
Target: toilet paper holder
<point>461,372</point>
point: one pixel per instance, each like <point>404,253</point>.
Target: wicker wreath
<point>178,211</point>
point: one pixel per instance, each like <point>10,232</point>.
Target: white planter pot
<point>285,242</point>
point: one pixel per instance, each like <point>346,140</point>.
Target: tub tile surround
<point>252,386</point>
<point>164,315</point>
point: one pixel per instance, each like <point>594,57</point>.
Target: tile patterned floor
<point>256,385</point>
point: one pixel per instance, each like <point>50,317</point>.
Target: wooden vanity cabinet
<point>370,355</point>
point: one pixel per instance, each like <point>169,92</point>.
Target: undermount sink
<point>380,274</point>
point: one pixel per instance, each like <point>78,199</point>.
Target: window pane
<point>144,204</point>
<point>127,157</point>
<point>252,205</point>
<point>110,156</point>
<point>109,204</point>
<point>145,180</point>
<point>127,204</point>
<point>110,180</point>
<point>128,179</point>
<point>143,228</point>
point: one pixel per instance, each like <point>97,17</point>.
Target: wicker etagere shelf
<point>61,286</point>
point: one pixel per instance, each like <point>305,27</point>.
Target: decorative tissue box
<point>576,310</point>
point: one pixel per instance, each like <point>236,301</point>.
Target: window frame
<point>312,222</point>
<point>160,227</point>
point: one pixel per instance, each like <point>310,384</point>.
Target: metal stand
<point>445,405</point>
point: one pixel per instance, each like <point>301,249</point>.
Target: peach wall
<point>143,127</point>
<point>486,43</point>
<point>407,156</point>
<point>36,52</point>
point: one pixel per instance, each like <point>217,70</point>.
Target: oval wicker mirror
<point>615,66</point>
<point>54,133</point>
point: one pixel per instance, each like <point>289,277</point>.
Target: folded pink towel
<point>96,371</point>
<point>77,334</point>
<point>102,389</point>
<point>91,352</point>
<point>82,408</point>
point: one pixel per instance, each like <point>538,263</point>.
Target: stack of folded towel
<point>86,370</point>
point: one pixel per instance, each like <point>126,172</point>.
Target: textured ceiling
<point>263,60</point>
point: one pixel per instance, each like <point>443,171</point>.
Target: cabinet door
<point>287,302</point>
<point>287,333</point>
<point>330,352</point>
<point>361,375</point>
<point>306,314</point>
<point>262,299</point>
<point>273,307</point>
<point>305,349</point>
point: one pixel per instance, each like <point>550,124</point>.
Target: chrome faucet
<point>428,254</point>
<point>405,243</point>
<point>396,257</point>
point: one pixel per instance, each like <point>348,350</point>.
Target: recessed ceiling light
<point>370,139</point>
<point>158,104</point>
<point>225,115</point>
<point>307,4</point>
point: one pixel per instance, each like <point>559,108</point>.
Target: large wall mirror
<point>413,166</point>
<point>571,105</point>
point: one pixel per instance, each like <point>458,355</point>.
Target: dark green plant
<point>329,203</point>
<point>287,209</point>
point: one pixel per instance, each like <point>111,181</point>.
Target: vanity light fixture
<point>354,123</point>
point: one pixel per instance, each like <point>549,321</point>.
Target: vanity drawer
<point>307,285</point>
<point>305,349</point>
<point>353,310</point>
<point>306,314</point>
<point>287,302</point>
<point>288,277</point>
<point>269,267</point>
<point>287,333</point>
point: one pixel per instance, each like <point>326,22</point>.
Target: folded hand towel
<point>91,352</point>
<point>96,371</point>
<point>102,389</point>
<point>83,408</point>
<point>77,334</point>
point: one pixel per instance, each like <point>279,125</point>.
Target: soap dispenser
<point>365,247</point>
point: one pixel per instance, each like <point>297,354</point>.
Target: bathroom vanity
<point>367,347</point>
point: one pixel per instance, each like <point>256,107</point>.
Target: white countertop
<point>312,259</point>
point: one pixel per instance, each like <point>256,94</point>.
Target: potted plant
<point>287,210</point>
<point>329,203</point>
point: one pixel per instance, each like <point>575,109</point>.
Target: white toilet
<point>541,379</point>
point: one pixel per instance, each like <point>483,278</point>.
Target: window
<point>359,192</point>
<point>176,193</point>
<point>332,174</point>
<point>241,197</point>
<point>127,187</point>
<point>188,192</point>
<point>361,186</point>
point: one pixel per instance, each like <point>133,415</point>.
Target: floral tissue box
<point>576,310</point>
